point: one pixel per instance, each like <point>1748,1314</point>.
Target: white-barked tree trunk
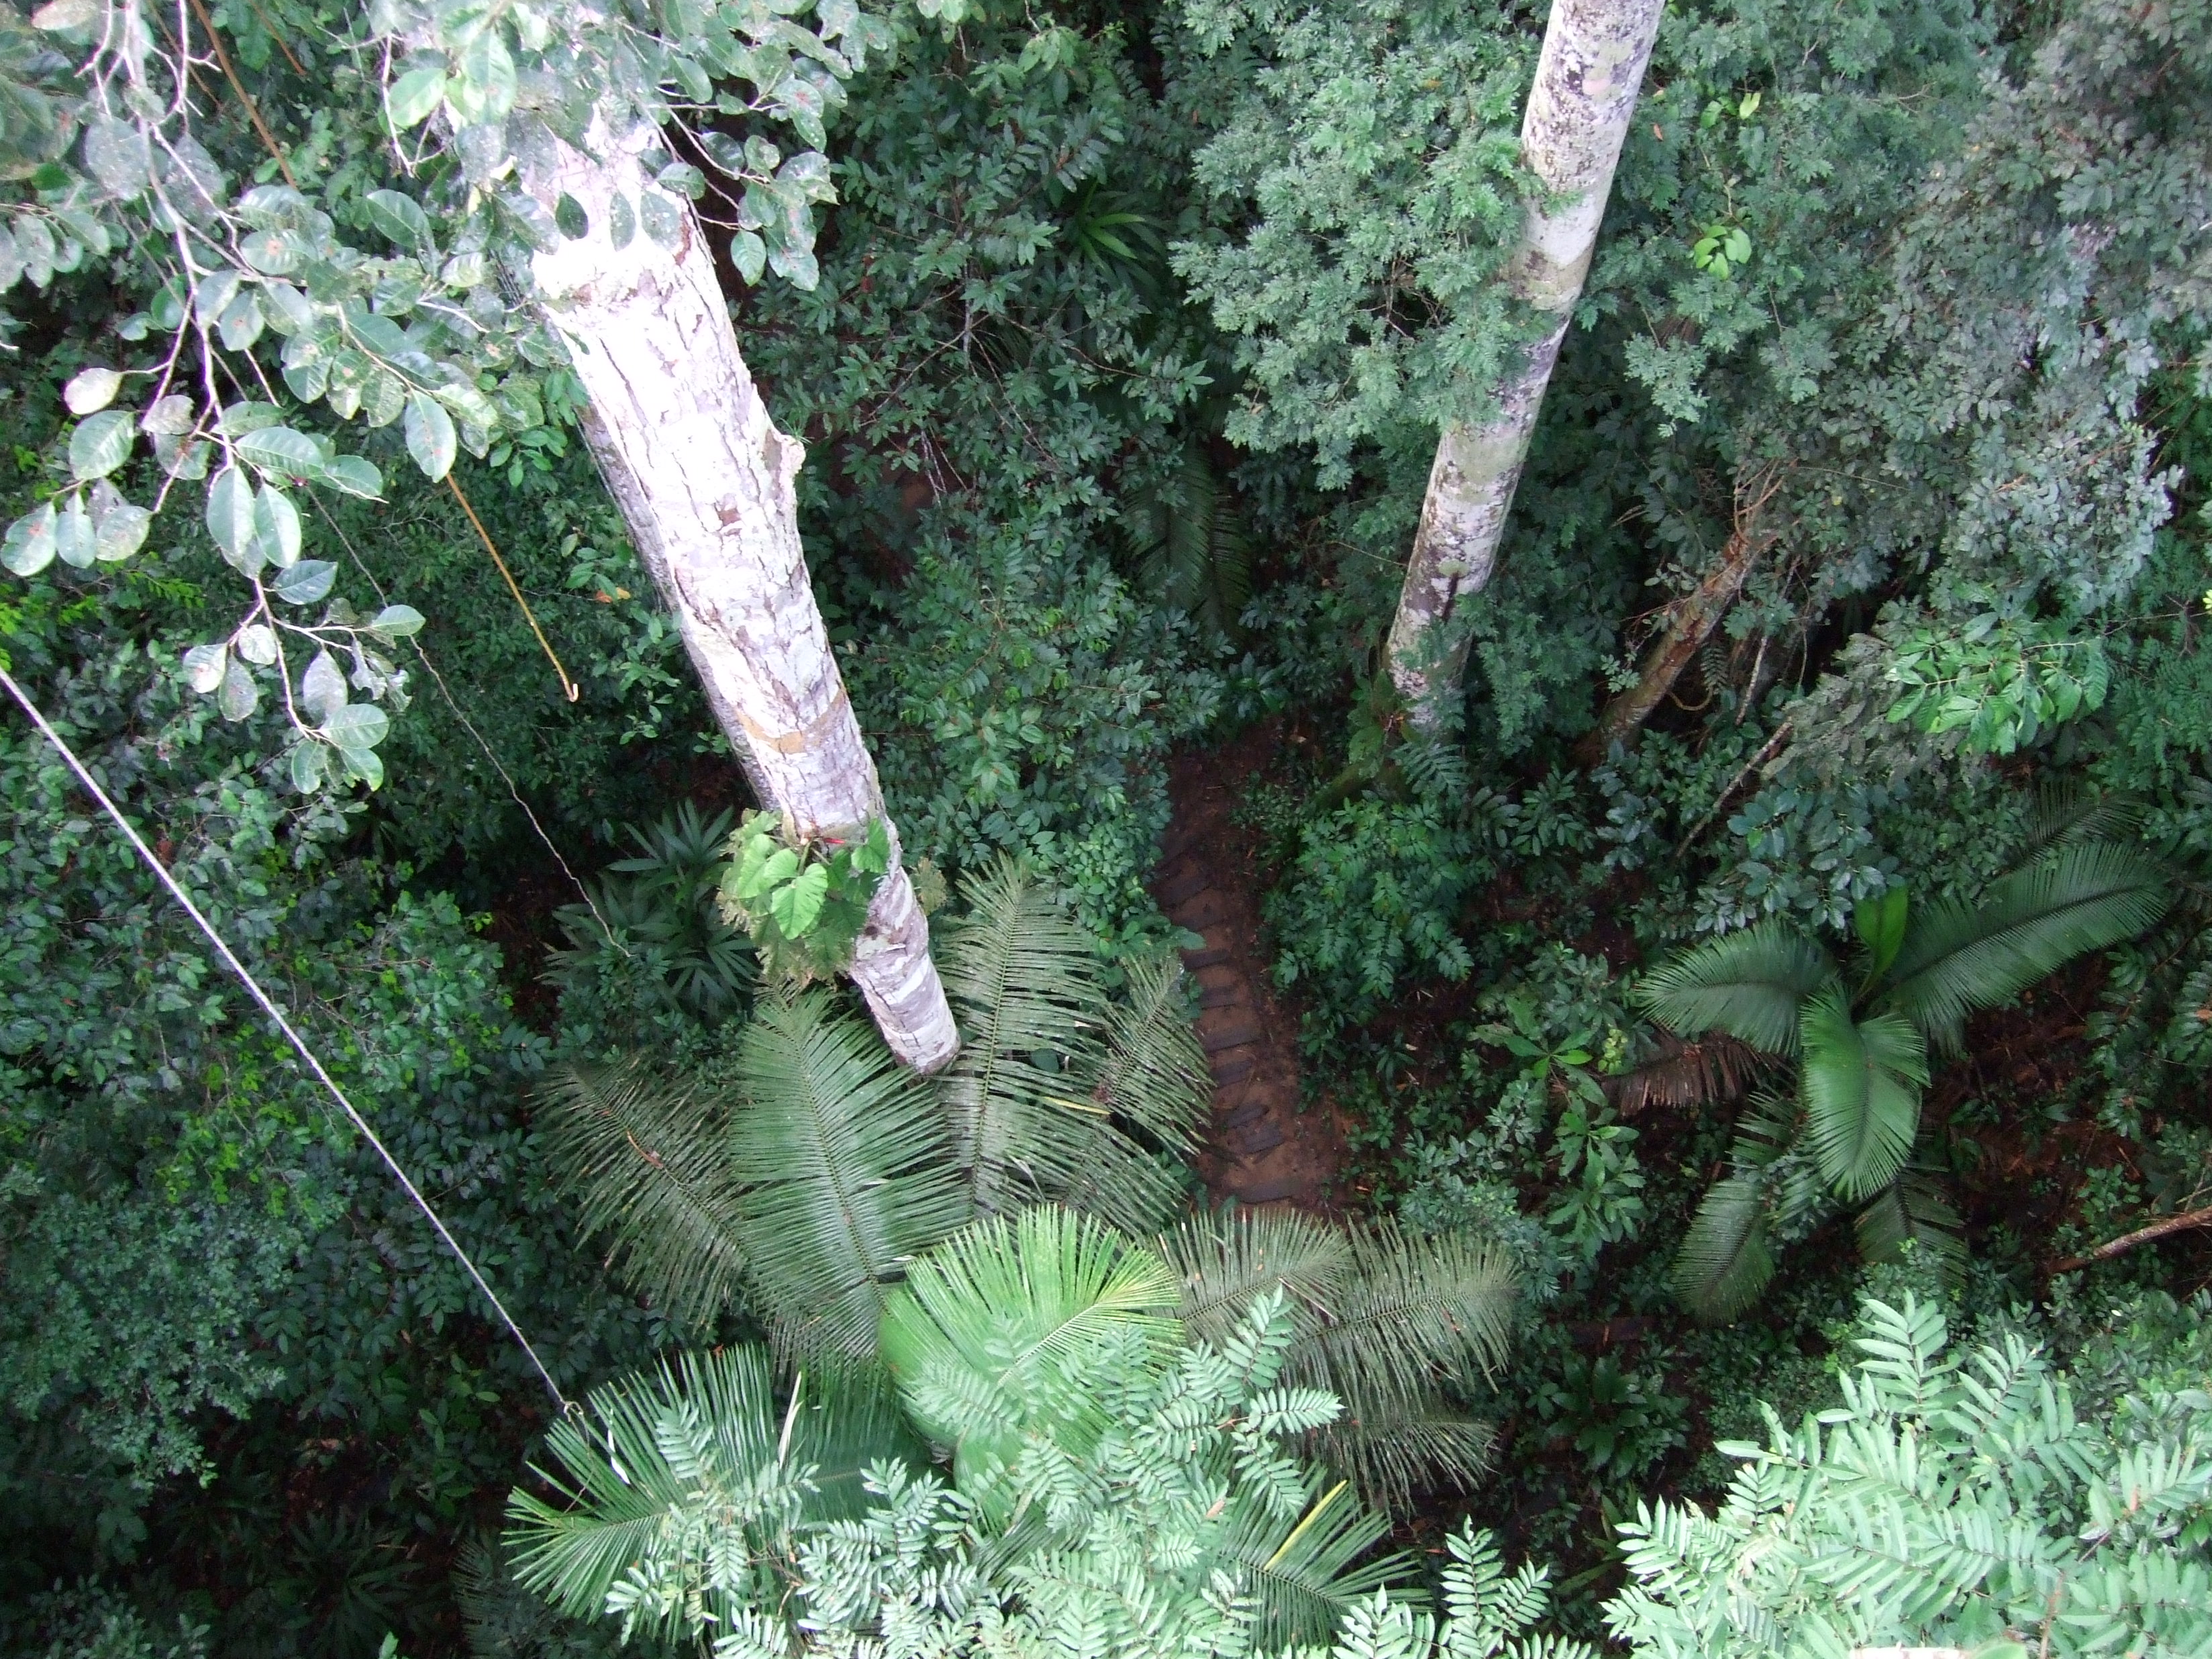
<point>705,482</point>
<point>1584,96</point>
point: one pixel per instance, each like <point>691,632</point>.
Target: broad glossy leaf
<point>29,545</point>
<point>365,764</point>
<point>355,475</point>
<point>397,621</point>
<point>230,518</point>
<point>73,534</point>
<point>91,390</point>
<point>205,665</point>
<point>280,450</point>
<point>400,218</point>
<point>257,644</point>
<point>569,215</point>
<point>101,443</point>
<point>430,436</point>
<point>120,531</point>
<point>240,696</point>
<point>414,97</point>
<point>323,688</point>
<point>306,764</point>
<point>357,726</point>
<point>276,526</point>
<point>306,582</point>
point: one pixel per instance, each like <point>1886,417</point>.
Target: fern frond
<point>1861,1083</point>
<point>848,1173</point>
<point>1727,1257</point>
<point>1749,984</point>
<point>1191,547</point>
<point>2081,896</point>
<point>647,1156</point>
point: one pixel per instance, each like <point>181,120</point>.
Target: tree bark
<point>1579,108</point>
<point>706,483</point>
<point>1691,622</point>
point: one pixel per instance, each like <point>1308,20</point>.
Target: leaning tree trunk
<point>1689,622</point>
<point>705,482</point>
<point>1579,108</point>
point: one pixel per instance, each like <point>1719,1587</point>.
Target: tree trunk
<point>705,482</point>
<point>1690,623</point>
<point>1579,108</point>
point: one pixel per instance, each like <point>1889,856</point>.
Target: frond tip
<point>1749,984</point>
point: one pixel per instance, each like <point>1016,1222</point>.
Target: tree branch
<point>2183,1223</point>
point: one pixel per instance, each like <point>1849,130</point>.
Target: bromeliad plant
<point>803,899</point>
<point>1862,1040</point>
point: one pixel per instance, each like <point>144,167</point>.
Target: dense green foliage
<point>1119,356</point>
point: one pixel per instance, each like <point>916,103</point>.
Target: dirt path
<point>1260,1147</point>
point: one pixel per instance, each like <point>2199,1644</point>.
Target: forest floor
<point>1266,1143</point>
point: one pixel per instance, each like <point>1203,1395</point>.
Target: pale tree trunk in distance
<point>1579,108</point>
<point>705,482</point>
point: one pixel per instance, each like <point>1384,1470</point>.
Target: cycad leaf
<point>648,1157</point>
<point>1912,1209</point>
<point>2083,896</point>
<point>1726,1259</point>
<point>1301,1570</point>
<point>1749,984</point>
<point>1019,1316</point>
<point>848,1173</point>
<point>1861,1083</point>
<point>1154,1073</point>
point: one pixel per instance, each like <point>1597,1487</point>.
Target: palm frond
<point>1394,1448</point>
<point>1223,1258</point>
<point>2065,812</point>
<point>1727,1257</point>
<point>1913,1209</point>
<point>1749,984</point>
<point>1191,547</point>
<point>1023,980</point>
<point>2083,896</point>
<point>650,1443</point>
<point>1710,1070</point>
<point>1862,1084</point>
<point>1305,1571</point>
<point>647,1156</point>
<point>848,1173</point>
<point>1153,1072</point>
<point>1017,1315</point>
<point>1413,1310</point>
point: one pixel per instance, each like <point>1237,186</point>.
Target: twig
<point>567,684</point>
<point>244,97</point>
<point>2174,1224</point>
<point>1767,752</point>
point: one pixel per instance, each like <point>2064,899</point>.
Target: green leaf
<point>101,443</point>
<point>430,436</point>
<point>400,218</point>
<point>414,97</point>
<point>357,726</point>
<point>570,217</point>
<point>239,695</point>
<point>280,450</point>
<point>120,531</point>
<point>29,545</point>
<point>483,90</point>
<point>230,518</point>
<point>1749,984</point>
<point>397,621</point>
<point>276,527</point>
<point>2080,896</point>
<point>306,582</point>
<point>306,765</point>
<point>355,475</point>
<point>749,254</point>
<point>797,903</point>
<point>1862,1084</point>
<point>90,389</point>
<point>205,665</point>
<point>366,764</point>
<point>1726,1259</point>
<point>323,688</point>
<point>1879,924</point>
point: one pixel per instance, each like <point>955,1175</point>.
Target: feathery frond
<point>1413,1310</point>
<point>2083,896</point>
<point>1727,1257</point>
<point>1862,1084</point>
<point>1912,1209</point>
<point>1223,1258</point>
<point>1025,987</point>
<point>1749,984</point>
<point>1002,1328</point>
<point>1191,547</point>
<point>1394,1448</point>
<point>1300,1568</point>
<point>848,1173</point>
<point>1153,1072</point>
<point>648,1157</point>
<point>717,1428</point>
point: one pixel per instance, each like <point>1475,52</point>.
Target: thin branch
<point>253,113</point>
<point>2187,1220</point>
